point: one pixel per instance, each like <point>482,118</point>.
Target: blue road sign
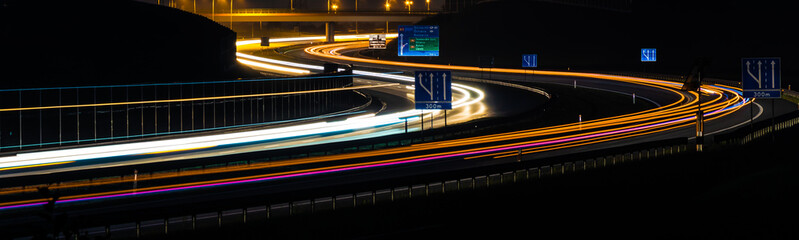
<point>417,40</point>
<point>433,89</point>
<point>530,60</point>
<point>760,77</point>
<point>649,55</point>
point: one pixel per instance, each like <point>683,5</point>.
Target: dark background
<point>609,35</point>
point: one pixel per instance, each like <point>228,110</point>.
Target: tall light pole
<point>428,5</point>
<point>388,7</point>
<point>409,3</point>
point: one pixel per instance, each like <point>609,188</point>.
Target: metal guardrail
<point>471,180</point>
<point>163,227</point>
<point>753,132</point>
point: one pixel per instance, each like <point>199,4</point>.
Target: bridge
<point>329,18</point>
<point>272,16</point>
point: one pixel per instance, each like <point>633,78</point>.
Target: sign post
<point>529,61</point>
<point>761,78</point>
<point>649,55</point>
<point>417,40</point>
<point>433,90</point>
<point>377,41</point>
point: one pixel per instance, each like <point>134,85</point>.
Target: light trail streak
<point>78,154</point>
<point>196,99</point>
<point>676,115</point>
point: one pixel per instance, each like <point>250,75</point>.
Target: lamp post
<point>335,7</point>
<point>428,5</point>
<point>388,7</point>
<point>409,3</point>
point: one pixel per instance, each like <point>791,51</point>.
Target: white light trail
<point>354,123</point>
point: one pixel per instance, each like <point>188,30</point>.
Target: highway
<point>390,120</point>
<point>673,116</point>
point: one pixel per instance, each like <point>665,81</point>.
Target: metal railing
<point>456,183</point>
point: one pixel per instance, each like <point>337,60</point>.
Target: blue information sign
<point>760,77</point>
<point>649,55</point>
<point>530,60</point>
<point>433,89</point>
<point>417,40</point>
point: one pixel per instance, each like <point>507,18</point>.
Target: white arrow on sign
<point>431,86</point>
<point>444,85</point>
<point>772,74</point>
<point>421,83</point>
<point>757,79</point>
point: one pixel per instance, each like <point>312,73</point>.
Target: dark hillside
<point>591,39</point>
<point>69,43</point>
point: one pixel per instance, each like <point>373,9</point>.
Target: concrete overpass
<point>319,17</point>
<point>329,18</point>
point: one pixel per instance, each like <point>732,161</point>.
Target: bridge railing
<point>64,116</point>
<point>287,10</point>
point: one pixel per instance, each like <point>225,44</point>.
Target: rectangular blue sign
<point>433,89</point>
<point>649,55</point>
<point>530,60</point>
<point>417,40</point>
<point>760,77</point>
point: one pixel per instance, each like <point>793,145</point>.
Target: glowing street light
<point>388,6</point>
<point>335,7</point>
<point>428,5</point>
<point>409,3</point>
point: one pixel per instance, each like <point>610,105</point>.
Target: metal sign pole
<point>773,129</point>
<point>421,121</point>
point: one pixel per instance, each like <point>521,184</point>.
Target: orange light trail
<point>675,115</point>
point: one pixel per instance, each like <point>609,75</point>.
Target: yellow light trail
<point>199,99</point>
<point>675,115</point>
<point>33,166</point>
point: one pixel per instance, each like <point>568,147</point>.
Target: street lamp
<point>409,3</point>
<point>428,5</point>
<point>335,7</point>
<point>388,6</point>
